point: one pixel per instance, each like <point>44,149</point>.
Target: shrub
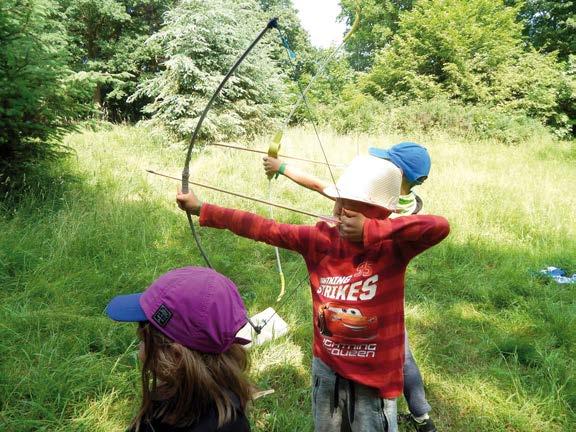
<point>473,52</point>
<point>356,112</point>
<point>363,113</point>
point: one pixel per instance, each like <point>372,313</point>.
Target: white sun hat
<point>370,180</point>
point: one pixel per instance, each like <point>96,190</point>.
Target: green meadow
<point>495,343</point>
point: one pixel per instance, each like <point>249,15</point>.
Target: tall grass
<point>496,345</point>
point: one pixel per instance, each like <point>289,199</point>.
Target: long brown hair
<point>179,384</point>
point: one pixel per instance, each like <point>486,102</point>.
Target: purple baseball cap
<point>195,306</point>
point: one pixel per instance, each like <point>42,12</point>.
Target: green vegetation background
<point>489,86</point>
<point>502,69</point>
<point>496,345</point>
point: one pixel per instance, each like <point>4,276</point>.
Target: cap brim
<point>126,308</point>
<point>379,153</point>
<point>242,341</point>
<point>335,193</point>
<point>243,334</point>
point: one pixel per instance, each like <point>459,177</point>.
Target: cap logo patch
<point>162,316</point>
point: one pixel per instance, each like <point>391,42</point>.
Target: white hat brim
<point>333,192</point>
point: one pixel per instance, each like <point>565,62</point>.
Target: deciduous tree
<point>471,51</point>
<point>379,23</point>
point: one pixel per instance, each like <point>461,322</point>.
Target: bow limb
<point>356,23</point>
<point>273,23</point>
<point>273,151</point>
<point>302,97</point>
<point>275,145</point>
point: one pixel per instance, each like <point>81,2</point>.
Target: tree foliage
<point>36,84</point>
<point>201,40</point>
<point>108,44</point>
<point>61,59</point>
<point>551,25</point>
<point>472,52</point>
<point>379,23</point>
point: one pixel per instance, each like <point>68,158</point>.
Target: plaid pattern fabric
<point>357,288</point>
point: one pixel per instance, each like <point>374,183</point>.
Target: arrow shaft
<point>282,156</point>
<point>236,194</point>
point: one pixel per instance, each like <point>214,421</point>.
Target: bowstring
<point>302,96</point>
<point>186,170</point>
<point>301,99</point>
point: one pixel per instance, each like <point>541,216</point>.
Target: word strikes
<point>340,288</point>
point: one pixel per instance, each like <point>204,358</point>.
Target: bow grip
<point>274,149</point>
<point>185,177</point>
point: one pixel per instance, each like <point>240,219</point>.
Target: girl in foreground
<point>193,365</point>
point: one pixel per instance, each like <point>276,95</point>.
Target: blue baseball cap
<point>411,158</point>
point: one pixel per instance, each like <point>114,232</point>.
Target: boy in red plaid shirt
<point>357,285</point>
<point>414,161</point>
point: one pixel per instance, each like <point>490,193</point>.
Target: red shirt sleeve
<point>411,234</point>
<point>300,238</point>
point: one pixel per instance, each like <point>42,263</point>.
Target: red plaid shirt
<point>357,288</point>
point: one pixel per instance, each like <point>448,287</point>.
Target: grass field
<point>496,345</point>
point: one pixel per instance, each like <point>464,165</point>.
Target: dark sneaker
<point>404,418</point>
<point>423,426</point>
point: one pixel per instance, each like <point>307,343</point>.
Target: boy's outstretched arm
<point>299,238</point>
<point>298,176</point>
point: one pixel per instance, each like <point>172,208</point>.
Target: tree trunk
<point>98,95</point>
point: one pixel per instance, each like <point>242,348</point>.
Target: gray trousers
<point>413,385</point>
<point>340,405</point>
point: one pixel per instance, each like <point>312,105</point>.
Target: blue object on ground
<point>558,275</point>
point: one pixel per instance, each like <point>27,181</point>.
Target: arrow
<point>282,156</point>
<point>328,219</point>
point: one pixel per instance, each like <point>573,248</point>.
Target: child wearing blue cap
<point>414,161</point>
